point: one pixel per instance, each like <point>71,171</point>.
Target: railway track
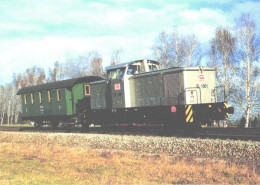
<point>213,133</point>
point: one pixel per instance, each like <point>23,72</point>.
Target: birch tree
<point>161,49</point>
<point>191,51</point>
<point>248,49</point>
<point>116,55</point>
<point>176,50</point>
<point>3,100</point>
<point>9,99</point>
<point>55,73</point>
<point>222,50</point>
<point>83,63</point>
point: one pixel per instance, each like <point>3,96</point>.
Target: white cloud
<point>42,32</point>
<point>17,55</point>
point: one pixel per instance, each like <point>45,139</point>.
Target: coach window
<point>87,89</point>
<point>49,96</point>
<point>32,98</point>
<point>25,99</point>
<point>58,95</point>
<point>40,97</point>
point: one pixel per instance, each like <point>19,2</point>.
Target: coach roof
<point>59,84</point>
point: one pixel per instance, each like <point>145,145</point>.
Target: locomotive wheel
<point>55,125</point>
<point>85,128</point>
<point>190,129</point>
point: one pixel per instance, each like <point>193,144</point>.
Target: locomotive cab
<point>119,76</point>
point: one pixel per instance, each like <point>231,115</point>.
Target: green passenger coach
<point>56,102</point>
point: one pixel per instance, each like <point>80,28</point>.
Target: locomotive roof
<point>59,84</point>
<point>175,70</point>
<point>126,64</point>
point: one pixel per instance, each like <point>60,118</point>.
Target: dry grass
<point>36,163</point>
<point>242,151</point>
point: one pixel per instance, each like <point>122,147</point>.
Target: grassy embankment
<point>41,163</point>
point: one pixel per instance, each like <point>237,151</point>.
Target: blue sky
<point>41,32</point>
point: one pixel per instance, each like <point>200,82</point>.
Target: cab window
<point>132,69</point>
<point>152,67</point>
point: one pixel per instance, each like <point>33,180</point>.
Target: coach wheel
<point>83,118</point>
<point>37,125</point>
<point>66,126</point>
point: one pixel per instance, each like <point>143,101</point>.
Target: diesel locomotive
<point>134,94</point>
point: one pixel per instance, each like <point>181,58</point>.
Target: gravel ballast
<point>230,149</point>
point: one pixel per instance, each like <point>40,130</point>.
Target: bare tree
<point>161,49</point>
<point>55,73</point>
<point>192,51</point>
<point>68,69</point>
<point>96,64</point>
<point>221,53</point>
<point>82,65</point>
<point>175,50</point>
<point>13,105</point>
<point>248,50</point>
<point>76,67</point>
<point>32,76</point>
<point>18,82</point>
<point>9,99</point>
<point>115,58</point>
<point>3,100</point>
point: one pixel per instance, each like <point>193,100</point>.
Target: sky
<point>41,32</point>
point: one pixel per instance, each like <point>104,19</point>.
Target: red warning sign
<point>201,77</point>
<point>117,86</point>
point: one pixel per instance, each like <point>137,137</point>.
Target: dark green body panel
<point>69,101</point>
<point>46,106</point>
<point>59,107</point>
<point>65,107</point>
<point>78,93</point>
<point>71,93</point>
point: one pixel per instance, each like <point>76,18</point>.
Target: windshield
<point>117,73</point>
<point>152,67</point>
<point>132,69</point>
